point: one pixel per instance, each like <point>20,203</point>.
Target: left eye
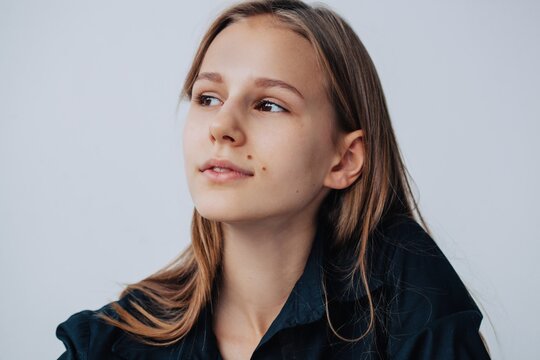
<point>265,104</point>
<point>205,100</point>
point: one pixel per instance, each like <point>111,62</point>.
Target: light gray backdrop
<point>92,188</point>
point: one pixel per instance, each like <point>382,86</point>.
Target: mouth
<point>224,167</point>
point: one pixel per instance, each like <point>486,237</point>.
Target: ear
<point>348,161</point>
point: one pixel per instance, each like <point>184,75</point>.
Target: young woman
<point>304,238</point>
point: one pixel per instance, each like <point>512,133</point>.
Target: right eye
<point>206,100</point>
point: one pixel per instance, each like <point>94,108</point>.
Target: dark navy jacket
<point>423,311</point>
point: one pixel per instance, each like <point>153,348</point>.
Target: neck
<point>260,266</point>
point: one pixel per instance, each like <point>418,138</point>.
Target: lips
<point>225,164</point>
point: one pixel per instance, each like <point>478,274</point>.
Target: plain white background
<point>92,186</point>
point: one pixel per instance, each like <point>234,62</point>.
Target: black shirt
<point>423,311</point>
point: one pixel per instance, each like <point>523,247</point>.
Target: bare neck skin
<point>261,264</point>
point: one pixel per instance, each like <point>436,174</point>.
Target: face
<point>259,103</point>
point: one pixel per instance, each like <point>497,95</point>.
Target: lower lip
<point>222,177</point>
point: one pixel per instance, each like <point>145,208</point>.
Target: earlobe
<point>349,161</point>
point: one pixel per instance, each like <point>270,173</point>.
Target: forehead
<point>260,46</point>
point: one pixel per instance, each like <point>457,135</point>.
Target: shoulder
<point>431,313</point>
<point>415,266</point>
<point>86,336</point>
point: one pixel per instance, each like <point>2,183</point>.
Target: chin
<point>226,213</point>
<point>216,212</point>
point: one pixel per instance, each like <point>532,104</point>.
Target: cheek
<point>299,163</point>
<point>191,136</point>
<point>186,144</point>
<point>313,158</point>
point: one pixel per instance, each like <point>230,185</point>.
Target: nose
<point>225,128</point>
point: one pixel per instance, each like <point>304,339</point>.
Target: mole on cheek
<point>264,168</point>
<point>249,156</point>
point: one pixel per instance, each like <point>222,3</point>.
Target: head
<point>260,99</point>
<point>317,141</point>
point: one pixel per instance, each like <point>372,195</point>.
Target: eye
<point>268,105</point>
<point>206,100</point>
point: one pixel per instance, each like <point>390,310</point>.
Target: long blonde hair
<point>180,290</point>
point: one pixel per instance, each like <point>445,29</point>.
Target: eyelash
<point>200,98</point>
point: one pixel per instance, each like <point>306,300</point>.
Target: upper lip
<point>222,163</point>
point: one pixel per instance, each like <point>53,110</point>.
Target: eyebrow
<point>259,82</point>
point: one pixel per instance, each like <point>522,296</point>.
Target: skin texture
<point>268,219</point>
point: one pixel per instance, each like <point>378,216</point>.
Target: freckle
<point>249,156</point>
<point>297,191</point>
<point>264,168</point>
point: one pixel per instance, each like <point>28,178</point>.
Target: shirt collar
<point>304,305</point>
